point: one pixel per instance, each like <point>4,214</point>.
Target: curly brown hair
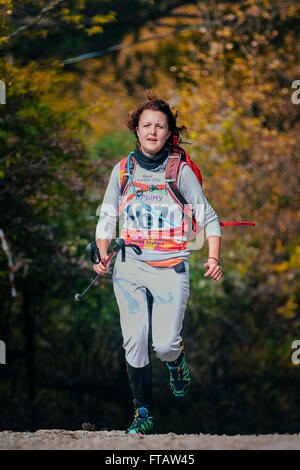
<point>156,104</point>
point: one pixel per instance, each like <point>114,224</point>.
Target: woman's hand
<point>101,268</point>
<point>214,270</point>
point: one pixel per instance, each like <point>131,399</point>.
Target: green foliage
<point>115,145</point>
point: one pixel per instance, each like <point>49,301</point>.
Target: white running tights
<point>170,291</point>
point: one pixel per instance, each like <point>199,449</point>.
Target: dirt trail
<point>60,439</point>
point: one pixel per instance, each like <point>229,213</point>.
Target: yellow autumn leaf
<point>290,308</point>
<point>94,30</point>
<point>193,135</point>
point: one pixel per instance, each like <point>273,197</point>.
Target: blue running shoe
<point>179,376</point>
<point>142,423</point>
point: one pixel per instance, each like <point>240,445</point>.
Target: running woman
<point>152,288</point>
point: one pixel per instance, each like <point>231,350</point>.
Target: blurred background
<point>73,69</point>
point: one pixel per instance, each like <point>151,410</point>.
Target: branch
<point>42,13</point>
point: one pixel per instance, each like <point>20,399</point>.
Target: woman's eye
<point>158,126</point>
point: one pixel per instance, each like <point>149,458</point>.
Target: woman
<point>152,288</point>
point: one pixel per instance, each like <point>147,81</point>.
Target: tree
<point>46,205</point>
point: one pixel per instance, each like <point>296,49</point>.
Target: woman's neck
<point>150,162</point>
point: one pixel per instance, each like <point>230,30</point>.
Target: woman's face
<point>153,131</point>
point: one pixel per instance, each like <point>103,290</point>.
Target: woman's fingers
<point>214,271</point>
<point>101,268</point>
<point>211,269</point>
<point>218,275</point>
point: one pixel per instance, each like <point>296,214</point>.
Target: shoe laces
<point>176,371</point>
<point>139,419</point>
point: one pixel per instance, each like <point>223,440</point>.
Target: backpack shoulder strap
<point>124,173</point>
<point>175,159</point>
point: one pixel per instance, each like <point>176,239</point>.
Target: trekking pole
<point>93,249</point>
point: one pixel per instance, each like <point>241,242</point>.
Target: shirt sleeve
<point>191,190</point>
<point>109,209</point>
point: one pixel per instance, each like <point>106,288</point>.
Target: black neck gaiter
<point>150,163</point>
